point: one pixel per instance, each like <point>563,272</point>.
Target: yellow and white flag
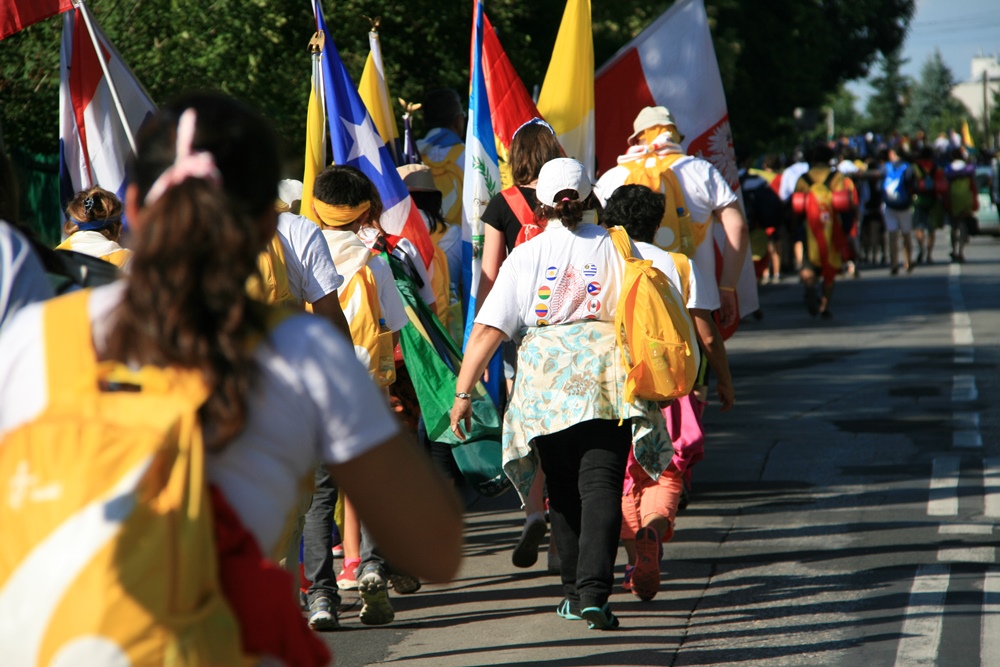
<point>567,97</point>
<point>375,94</point>
<point>315,140</point>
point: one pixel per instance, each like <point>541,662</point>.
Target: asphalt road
<point>845,513</point>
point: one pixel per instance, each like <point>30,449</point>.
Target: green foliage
<point>847,120</point>
<point>774,55</point>
<point>886,106</point>
<point>931,106</point>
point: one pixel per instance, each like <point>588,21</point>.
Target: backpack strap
<point>829,179</point>
<point>808,179</point>
<point>519,205</point>
<point>683,265</point>
<point>622,241</point>
<point>70,357</point>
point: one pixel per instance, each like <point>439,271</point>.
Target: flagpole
<point>107,75</point>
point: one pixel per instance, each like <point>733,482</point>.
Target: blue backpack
<point>895,189</point>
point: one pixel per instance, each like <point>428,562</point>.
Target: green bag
<point>433,360</point>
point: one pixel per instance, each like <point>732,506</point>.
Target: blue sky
<point>961,29</point>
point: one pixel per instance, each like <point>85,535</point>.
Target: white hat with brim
<point>652,117</point>
<point>289,191</point>
<point>562,174</point>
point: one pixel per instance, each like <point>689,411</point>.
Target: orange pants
<point>647,497</point>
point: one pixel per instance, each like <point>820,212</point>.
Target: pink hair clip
<point>187,163</point>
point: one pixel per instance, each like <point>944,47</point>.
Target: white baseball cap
<point>561,174</point>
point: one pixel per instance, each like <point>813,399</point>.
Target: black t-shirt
<point>499,216</point>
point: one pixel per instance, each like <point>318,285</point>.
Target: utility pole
<point>986,109</point>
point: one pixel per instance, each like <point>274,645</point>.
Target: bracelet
<point>462,394</point>
<point>726,289</point>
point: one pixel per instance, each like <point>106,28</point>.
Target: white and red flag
<point>672,63</point>
<point>19,14</point>
<point>94,144</point>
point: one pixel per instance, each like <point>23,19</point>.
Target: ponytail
<point>568,209</point>
<point>196,243</point>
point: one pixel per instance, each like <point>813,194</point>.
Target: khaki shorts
<point>898,221</point>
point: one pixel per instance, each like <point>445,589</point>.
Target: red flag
<point>510,104</point>
<point>18,14</point>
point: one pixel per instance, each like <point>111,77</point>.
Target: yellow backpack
<point>108,554</point>
<point>272,286</point>
<point>676,232</point>
<point>372,340</point>
<point>655,332</point>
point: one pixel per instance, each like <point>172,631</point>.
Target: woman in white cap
<point>558,295</point>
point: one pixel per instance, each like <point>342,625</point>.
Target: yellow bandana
<point>339,216</point>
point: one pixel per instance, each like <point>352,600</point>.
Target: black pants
<point>584,470</point>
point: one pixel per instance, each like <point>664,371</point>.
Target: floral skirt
<point>568,374</point>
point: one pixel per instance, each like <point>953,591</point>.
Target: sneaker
<point>600,618</point>
<point>564,611</point>
<point>646,576</point>
<point>347,580</point>
<point>404,584</point>
<point>322,615</point>
<point>526,552</point>
<point>338,550</point>
<point>627,580</point>
<point>374,591</point>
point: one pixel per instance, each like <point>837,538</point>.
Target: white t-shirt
<point>558,277</point>
<point>393,311</point>
<point>698,297</point>
<point>311,272</point>
<point>313,402</point>
<point>705,191</point>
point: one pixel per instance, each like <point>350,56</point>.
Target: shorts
<point>647,497</point>
<point>931,218</point>
<point>898,221</point>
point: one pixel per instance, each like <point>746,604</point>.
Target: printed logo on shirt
<point>541,310</point>
<point>594,288</point>
<point>594,306</point>
<point>544,292</point>
<point>542,323</point>
<point>590,270</point>
<point>551,273</point>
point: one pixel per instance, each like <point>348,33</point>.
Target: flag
<point>967,136</point>
<point>375,93</point>
<point>672,63</point>
<point>510,104</point>
<point>567,97</point>
<point>19,14</point>
<point>315,159</point>
<point>481,183</point>
<point>356,142</point>
<point>94,146</point>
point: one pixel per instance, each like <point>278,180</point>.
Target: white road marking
<point>965,529</point>
<point>966,439</point>
<point>991,488</point>
<point>965,355</point>
<point>943,500</point>
<point>967,421</point>
<point>921,632</point>
<point>967,555</point>
<point>989,642</point>
<point>962,336</point>
<point>963,388</point>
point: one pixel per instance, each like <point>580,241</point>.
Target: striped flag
<point>481,183</point>
<point>94,145</point>
<point>672,63</point>
<point>18,14</point>
<point>374,92</point>
<point>356,142</point>
<point>567,97</point>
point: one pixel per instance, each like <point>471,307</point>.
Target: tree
<point>847,120</point>
<point>886,106</point>
<point>774,56</point>
<point>931,106</point>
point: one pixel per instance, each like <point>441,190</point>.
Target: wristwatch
<point>462,394</point>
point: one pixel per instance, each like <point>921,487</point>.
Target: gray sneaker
<point>404,584</point>
<point>374,590</point>
<point>323,615</point>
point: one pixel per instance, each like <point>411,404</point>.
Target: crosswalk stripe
<point>943,499</point>
<point>966,439</point>
<point>967,555</point>
<point>991,488</point>
<point>963,388</point>
<point>921,632</point>
<point>989,642</point>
